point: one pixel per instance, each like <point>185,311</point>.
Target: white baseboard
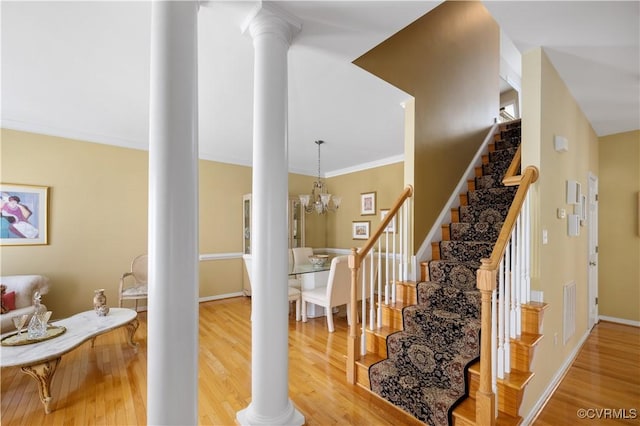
<point>220,296</point>
<point>620,320</point>
<point>553,384</point>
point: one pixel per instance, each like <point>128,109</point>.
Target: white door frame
<point>592,268</point>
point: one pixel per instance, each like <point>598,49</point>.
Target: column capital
<point>267,18</point>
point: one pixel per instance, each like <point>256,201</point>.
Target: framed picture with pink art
<point>24,210</point>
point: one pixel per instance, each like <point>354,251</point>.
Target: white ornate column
<point>172,339</point>
<point>272,31</point>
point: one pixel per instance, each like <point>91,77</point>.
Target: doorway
<point>593,250</point>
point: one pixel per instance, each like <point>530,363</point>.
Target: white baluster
<point>386,269</point>
<point>393,265</point>
<point>363,335</point>
<point>494,328</point>
<point>501,331</point>
<point>371,284</point>
<point>527,247</point>
<point>508,319</point>
<point>518,277</point>
<point>401,265</point>
<point>512,298</point>
<point>379,316</point>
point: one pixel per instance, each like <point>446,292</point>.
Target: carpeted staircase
<point>425,372</point>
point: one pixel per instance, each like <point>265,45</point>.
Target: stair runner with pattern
<point>425,369</point>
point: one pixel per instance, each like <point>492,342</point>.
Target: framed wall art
<point>24,217</point>
<point>360,230</point>
<point>368,203</point>
<point>391,227</point>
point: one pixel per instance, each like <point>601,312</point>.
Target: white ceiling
<point>81,70</point>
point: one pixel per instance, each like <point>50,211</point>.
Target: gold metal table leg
<point>43,373</point>
<point>131,328</point>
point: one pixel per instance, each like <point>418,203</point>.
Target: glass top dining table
<point>309,268</point>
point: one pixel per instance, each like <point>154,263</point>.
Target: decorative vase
<point>100,303</point>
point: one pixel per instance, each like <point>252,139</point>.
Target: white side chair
<point>301,255</point>
<point>294,293</point>
<point>335,293</point>
<point>133,284</point>
<point>294,281</point>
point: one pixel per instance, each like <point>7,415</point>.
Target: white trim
<point>553,384</point>
<point>219,297</point>
<point>365,166</point>
<point>143,145</point>
<point>619,320</point>
<point>219,256</point>
<point>47,130</point>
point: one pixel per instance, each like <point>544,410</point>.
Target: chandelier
<point>319,201</point>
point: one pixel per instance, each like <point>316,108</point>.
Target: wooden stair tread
<point>515,379</point>
<point>368,360</point>
<point>407,283</point>
<point>535,306</point>
<point>383,331</point>
<point>466,412</point>
<point>397,306</point>
<point>528,339</point>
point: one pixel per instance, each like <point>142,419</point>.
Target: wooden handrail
<point>514,166</point>
<point>529,176</point>
<point>355,260</point>
<point>487,282</point>
<point>364,250</point>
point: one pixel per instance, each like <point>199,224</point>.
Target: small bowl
<point>318,259</point>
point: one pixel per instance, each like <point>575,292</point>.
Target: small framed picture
<point>24,214</point>
<point>368,203</point>
<point>360,230</point>
<point>391,227</point>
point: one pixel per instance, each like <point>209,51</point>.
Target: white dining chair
<point>337,292</point>
<point>301,255</point>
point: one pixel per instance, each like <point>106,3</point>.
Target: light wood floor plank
<point>604,375</point>
<point>106,385</point>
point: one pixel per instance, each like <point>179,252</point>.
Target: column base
<point>248,417</point>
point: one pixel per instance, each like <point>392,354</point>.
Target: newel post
<point>485,398</point>
<point>353,342</point>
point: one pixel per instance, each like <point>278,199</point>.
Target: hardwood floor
<point>106,385</point>
<point>604,375</point>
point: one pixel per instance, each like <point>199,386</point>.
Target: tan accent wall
<point>385,181</point>
<point>549,109</point>
<point>619,254</point>
<point>98,215</point>
<point>448,60</point>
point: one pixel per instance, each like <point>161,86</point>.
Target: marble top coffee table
<point>41,359</point>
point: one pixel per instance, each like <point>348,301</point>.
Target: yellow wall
<point>619,187</point>
<point>98,215</point>
<point>548,110</point>
<point>386,182</point>
<point>449,61</point>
